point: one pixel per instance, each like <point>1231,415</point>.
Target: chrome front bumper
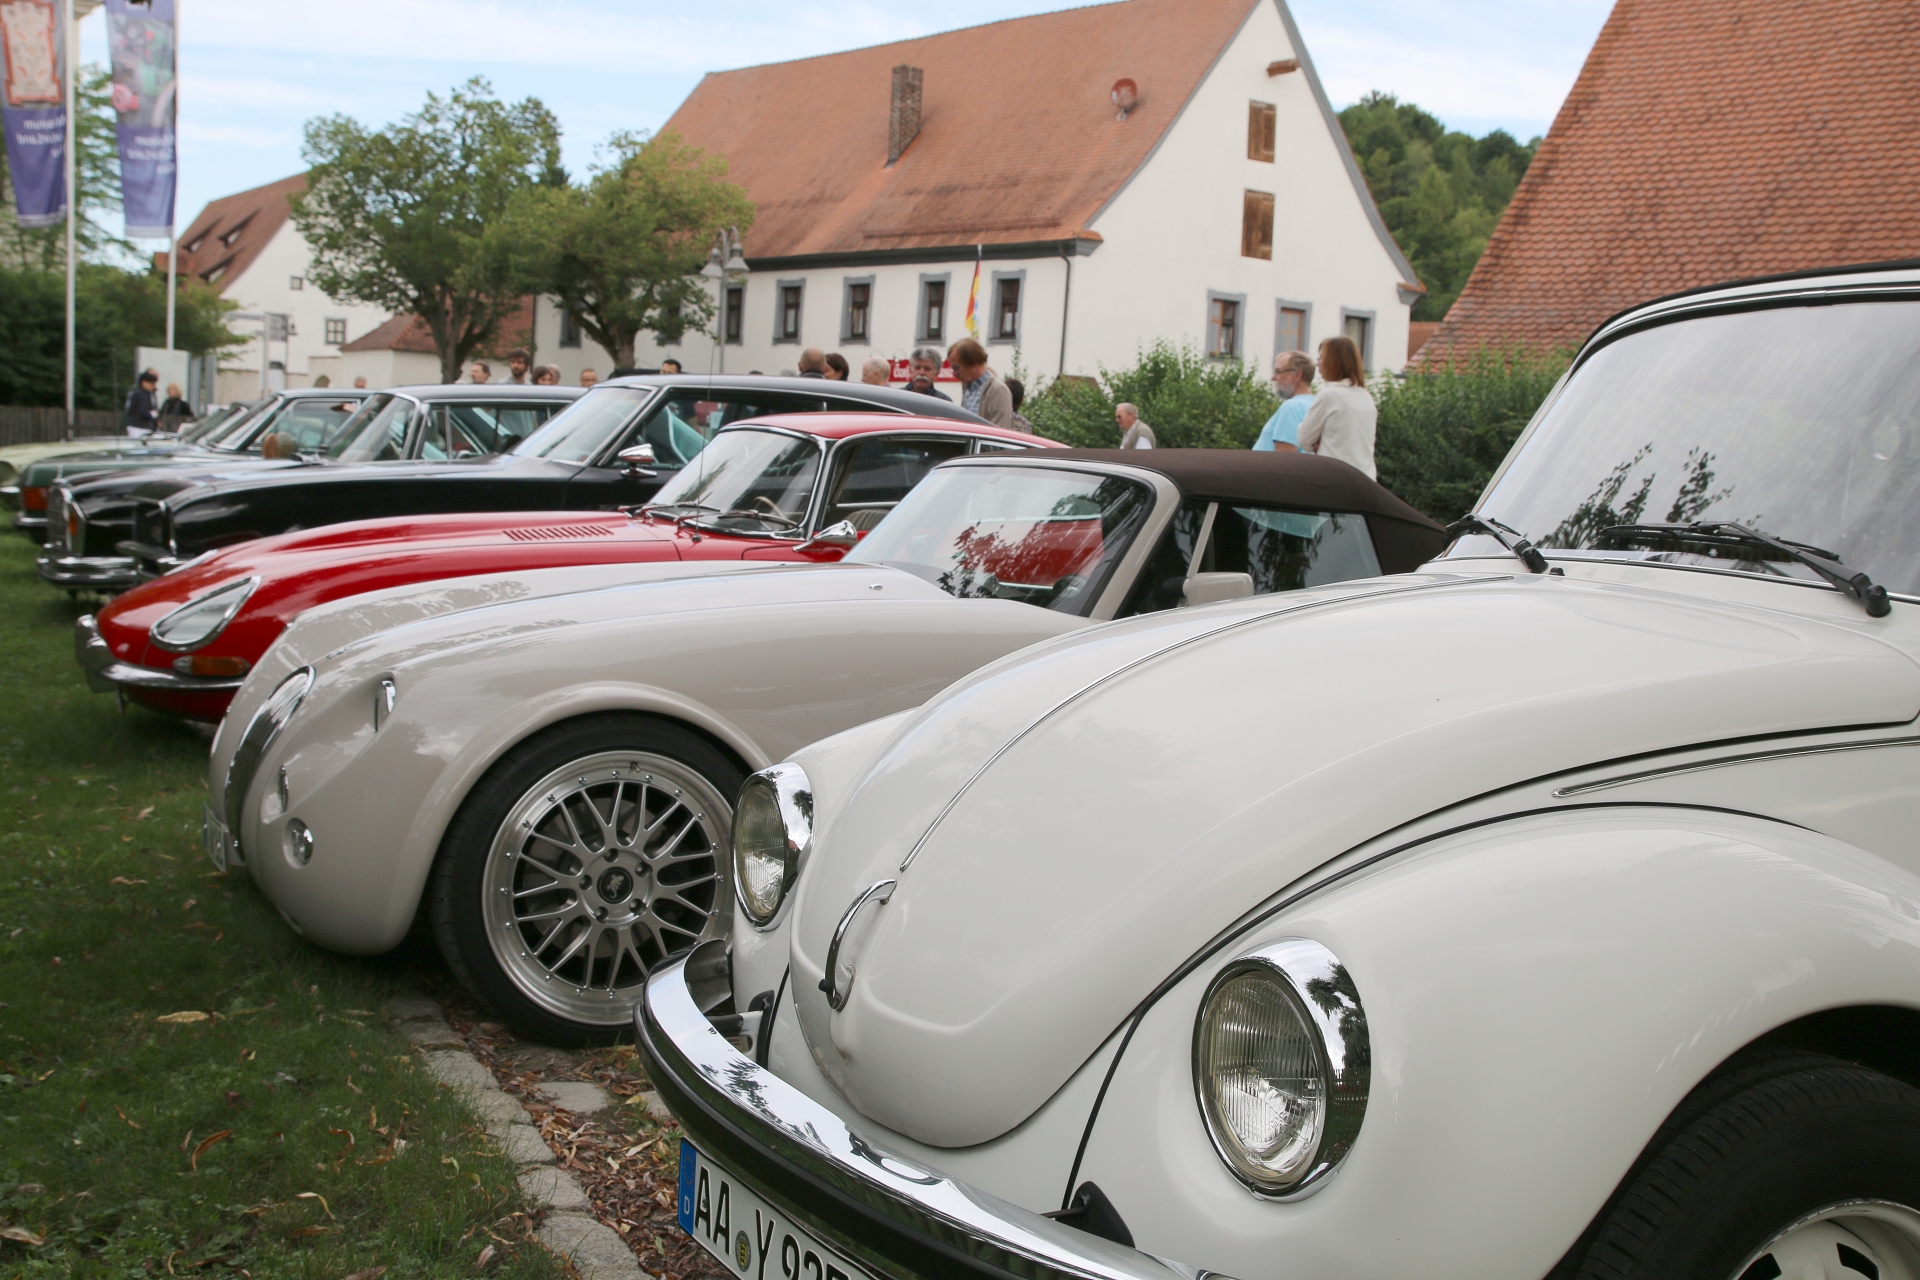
<point>90,573</point>
<point>31,525</point>
<point>903,1221</point>
<point>106,674</point>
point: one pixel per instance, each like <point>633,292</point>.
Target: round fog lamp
<point>299,843</point>
<point>1282,1065</point>
<point>772,830</point>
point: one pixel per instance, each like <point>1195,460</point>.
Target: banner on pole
<point>140,43</point>
<point>34,110</point>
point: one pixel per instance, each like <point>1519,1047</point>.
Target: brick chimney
<point>903,119</point>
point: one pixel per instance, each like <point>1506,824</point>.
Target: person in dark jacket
<point>143,408</point>
<point>175,410</point>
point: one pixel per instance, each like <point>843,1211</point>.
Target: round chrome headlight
<point>1281,1063</point>
<point>198,621</point>
<point>772,831</point>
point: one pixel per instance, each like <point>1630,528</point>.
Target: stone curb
<point>570,1230</point>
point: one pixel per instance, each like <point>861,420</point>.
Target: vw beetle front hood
<point>1077,820</point>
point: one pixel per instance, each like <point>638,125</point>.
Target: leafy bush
<point>1443,432</point>
<point>1189,401</point>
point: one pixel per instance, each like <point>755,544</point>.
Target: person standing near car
<point>923,366</point>
<point>1343,417</point>
<point>876,372</point>
<point>143,410</point>
<point>1134,434</point>
<point>1293,383</point>
<point>519,369</point>
<point>980,391</point>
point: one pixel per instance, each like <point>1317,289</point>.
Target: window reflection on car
<point>378,433</point>
<point>588,425</point>
<point>1279,548</point>
<point>1043,537</point>
<point>760,481</point>
<point>1690,421</point>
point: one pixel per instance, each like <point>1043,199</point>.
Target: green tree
<point>400,217</point>
<point>1440,193</point>
<point>1189,401</point>
<point>621,250</point>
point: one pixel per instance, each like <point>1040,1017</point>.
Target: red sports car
<point>793,488</point>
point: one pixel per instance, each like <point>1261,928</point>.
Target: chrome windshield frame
<point>881,1209</point>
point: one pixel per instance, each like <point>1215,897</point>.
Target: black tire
<point>1755,1151</point>
<point>494,846</point>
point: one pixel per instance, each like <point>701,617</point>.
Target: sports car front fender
<point>1541,993</point>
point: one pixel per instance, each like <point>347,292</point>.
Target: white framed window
<point>786,312</point>
<point>932,324</point>
<point>336,332</point>
<point>856,309</point>
<point>1009,299</point>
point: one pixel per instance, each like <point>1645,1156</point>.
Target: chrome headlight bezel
<point>772,835</point>
<point>1319,992</point>
<point>258,737</point>
<point>223,601</point>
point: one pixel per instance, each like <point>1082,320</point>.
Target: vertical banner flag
<point>141,45</point>
<point>973,294</point>
<point>35,109</point>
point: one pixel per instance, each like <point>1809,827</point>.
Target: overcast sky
<point>254,71</point>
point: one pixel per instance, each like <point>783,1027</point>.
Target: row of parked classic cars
<point>1018,861</point>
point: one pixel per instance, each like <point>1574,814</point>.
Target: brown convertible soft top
<point>1402,537</point>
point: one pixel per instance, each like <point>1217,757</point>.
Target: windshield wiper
<point>1512,539</point>
<point>661,508</point>
<point>1870,594</point>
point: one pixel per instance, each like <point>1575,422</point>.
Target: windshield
<point>306,423</point>
<point>581,431</point>
<point>238,430</point>
<point>1803,422</point>
<point>377,433</point>
<point>1031,534</point>
<point>767,475</point>
<point>215,423</point>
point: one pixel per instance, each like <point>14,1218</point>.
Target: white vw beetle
<point>551,777</point>
<point>1550,912</point>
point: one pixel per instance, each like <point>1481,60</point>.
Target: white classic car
<point>552,776</point>
<point>1553,911</point>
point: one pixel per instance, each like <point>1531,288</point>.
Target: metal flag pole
<point>71,32</point>
<point>173,240</point>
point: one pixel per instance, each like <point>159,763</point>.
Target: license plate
<point>745,1232</point>
<point>214,833</point>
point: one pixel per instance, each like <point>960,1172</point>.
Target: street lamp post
<point>725,262</point>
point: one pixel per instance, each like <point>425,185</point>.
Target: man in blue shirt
<point>1293,383</point>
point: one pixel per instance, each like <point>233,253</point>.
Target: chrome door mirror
<point>638,460</point>
<point>845,536</point>
<point>1211,588</point>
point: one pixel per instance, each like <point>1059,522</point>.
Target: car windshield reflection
<point>746,481</point>
<point>377,433</point>
<point>583,430</point>
<point>1694,421</point>
<point>1042,537</point>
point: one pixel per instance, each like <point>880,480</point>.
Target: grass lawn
<point>185,1087</point>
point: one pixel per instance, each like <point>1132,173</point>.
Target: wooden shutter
<point>1260,131</point>
<point>1256,225</point>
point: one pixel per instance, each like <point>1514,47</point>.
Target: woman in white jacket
<point>1341,422</point>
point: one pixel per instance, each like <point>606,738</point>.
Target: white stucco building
<point>245,245</point>
<point>1222,210</point>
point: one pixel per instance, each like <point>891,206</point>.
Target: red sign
<point>901,372</point>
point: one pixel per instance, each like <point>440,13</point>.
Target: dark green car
<point>309,416</point>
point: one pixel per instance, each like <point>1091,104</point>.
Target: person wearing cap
<point>143,409</point>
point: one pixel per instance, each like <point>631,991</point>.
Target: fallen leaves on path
<point>206,1143</point>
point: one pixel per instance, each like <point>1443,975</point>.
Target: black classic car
<point>227,437</point>
<point>614,448</point>
<point>89,519</point>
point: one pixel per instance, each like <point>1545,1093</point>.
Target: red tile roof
<point>230,232</point>
<point>410,333</point>
<point>1706,140</point>
<point>1018,139</point>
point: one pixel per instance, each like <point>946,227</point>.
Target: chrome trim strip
<point>836,998</point>
<point>905,1221</point>
<point>1326,994</point>
<point>87,571</point>
<point>256,740</point>
<point>1723,762</point>
<point>1157,654</point>
<point>793,797</point>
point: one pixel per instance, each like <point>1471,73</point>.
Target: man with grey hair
<point>923,366</point>
<point>1293,383</point>
<point>813,363</point>
<point>876,372</point>
<point>1134,434</point>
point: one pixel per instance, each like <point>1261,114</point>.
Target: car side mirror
<point>845,536</point>
<point>1211,588</point>
<point>638,460</point>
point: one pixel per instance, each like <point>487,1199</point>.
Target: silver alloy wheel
<point>605,868</point>
<point>1854,1238</point>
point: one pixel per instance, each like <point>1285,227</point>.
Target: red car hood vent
<point>559,532</point>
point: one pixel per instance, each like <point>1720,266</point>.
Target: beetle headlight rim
<point>1344,1053</point>
<point>242,589</point>
<point>791,793</point>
